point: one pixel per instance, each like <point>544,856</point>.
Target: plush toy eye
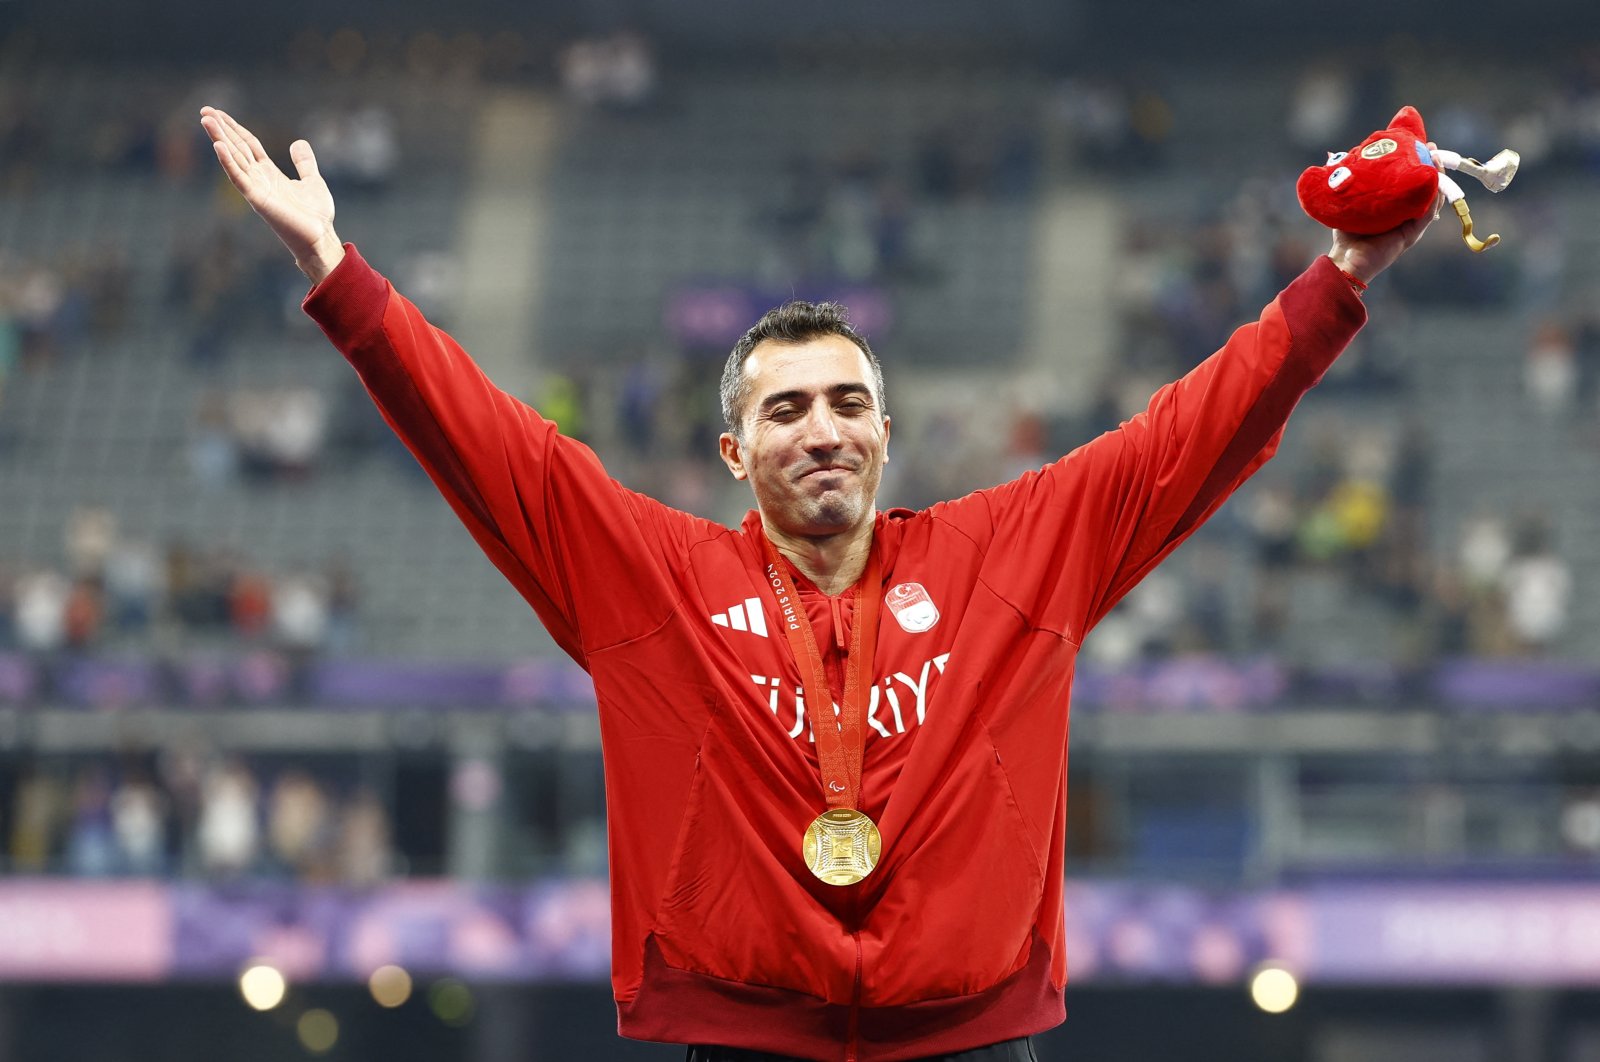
<point>1335,156</point>
<point>1338,176</point>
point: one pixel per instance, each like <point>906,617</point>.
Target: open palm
<point>299,211</point>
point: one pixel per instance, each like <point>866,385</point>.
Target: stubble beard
<point>814,515</point>
<point>840,509</point>
<point>835,510</point>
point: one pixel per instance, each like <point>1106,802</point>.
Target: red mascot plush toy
<point>1393,176</point>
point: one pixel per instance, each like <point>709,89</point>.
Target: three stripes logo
<point>746,616</point>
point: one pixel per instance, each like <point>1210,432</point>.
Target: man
<point>888,885</point>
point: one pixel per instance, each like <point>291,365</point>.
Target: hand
<point>299,212</point>
<point>1364,257</point>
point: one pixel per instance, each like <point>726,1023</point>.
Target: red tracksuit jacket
<point>720,933</point>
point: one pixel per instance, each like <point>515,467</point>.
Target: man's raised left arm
<point>1106,514</point>
<point>1203,435</point>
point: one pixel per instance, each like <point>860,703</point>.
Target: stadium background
<point>262,702</point>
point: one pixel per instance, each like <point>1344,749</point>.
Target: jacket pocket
<point>957,916</point>
<point>734,906</point>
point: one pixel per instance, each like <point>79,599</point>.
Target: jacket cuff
<point>1321,309</point>
<point>350,301</point>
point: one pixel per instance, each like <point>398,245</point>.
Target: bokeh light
<point>390,986</point>
<point>318,1030</point>
<point>263,986</point>
<point>451,1001</point>
<point>1274,989</point>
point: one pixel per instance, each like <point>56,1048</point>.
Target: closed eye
<point>849,399</point>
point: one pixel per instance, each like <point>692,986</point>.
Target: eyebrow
<point>837,390</point>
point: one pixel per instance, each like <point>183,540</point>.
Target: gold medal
<point>841,846</point>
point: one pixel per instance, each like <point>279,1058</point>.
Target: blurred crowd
<point>257,434</point>
<point>858,216</point>
<point>1561,374</point>
<point>1359,501</point>
<point>190,812</point>
<point>1124,124</point>
<point>1356,502</point>
<point>48,305</point>
<point>115,590</point>
<point>1554,122</point>
<point>616,71</point>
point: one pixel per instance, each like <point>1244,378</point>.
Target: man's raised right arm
<point>539,505</point>
<point>299,212</point>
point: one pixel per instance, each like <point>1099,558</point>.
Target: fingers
<point>245,137</point>
<point>237,138</point>
<point>222,128</point>
<point>1412,230</point>
<point>226,142</point>
<point>1427,219</point>
<point>305,160</point>
<point>231,166</point>
<point>235,165</point>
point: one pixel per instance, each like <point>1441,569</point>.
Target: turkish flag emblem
<point>913,609</point>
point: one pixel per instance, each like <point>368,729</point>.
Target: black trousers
<point>1009,1051</point>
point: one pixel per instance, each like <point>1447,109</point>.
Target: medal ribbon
<point>839,739</point>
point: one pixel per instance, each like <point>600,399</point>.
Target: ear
<point>1409,119</point>
<point>886,425</point>
<point>732,456</point>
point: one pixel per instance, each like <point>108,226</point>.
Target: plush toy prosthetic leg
<point>1495,175</point>
<point>1458,200</point>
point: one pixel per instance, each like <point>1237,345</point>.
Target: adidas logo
<point>744,617</point>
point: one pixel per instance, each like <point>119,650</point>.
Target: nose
<point>821,428</point>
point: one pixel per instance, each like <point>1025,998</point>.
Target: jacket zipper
<point>852,1045</point>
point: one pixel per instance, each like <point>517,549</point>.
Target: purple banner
<point>1190,683</point>
<point>716,315</point>
<point>1517,684</point>
<point>19,679</point>
<point>1477,934</point>
<point>109,683</point>
<point>558,929</point>
<point>264,677</point>
<point>557,683</point>
<point>1397,933</point>
<point>380,682</point>
<point>1142,933</point>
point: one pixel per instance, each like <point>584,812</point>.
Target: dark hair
<point>796,321</point>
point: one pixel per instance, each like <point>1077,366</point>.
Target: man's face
<point>815,438</point>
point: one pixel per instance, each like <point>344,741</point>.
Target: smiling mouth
<point>833,470</point>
